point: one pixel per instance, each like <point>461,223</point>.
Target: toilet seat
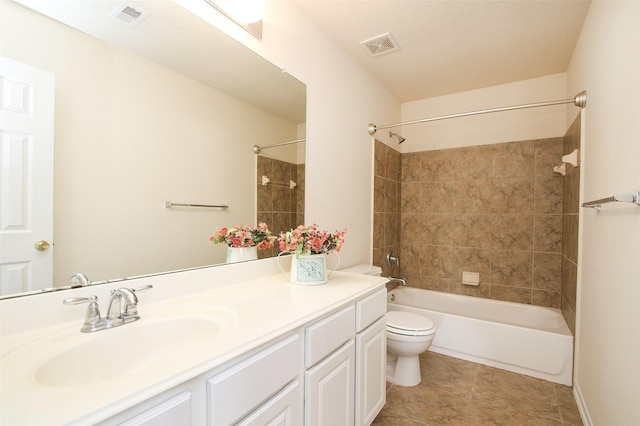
<point>408,324</point>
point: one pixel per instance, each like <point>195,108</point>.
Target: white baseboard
<point>582,406</point>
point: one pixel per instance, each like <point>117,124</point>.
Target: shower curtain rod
<point>579,100</point>
<point>257,149</point>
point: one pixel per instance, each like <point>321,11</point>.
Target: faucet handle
<point>143,288</point>
<point>92,318</point>
<point>78,300</point>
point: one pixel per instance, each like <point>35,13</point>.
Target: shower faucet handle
<point>392,259</point>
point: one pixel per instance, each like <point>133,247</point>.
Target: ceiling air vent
<point>380,45</point>
<point>129,14</point>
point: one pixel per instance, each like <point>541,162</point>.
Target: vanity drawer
<point>369,309</point>
<point>174,411</point>
<point>284,409</point>
<point>238,390</point>
<point>328,334</point>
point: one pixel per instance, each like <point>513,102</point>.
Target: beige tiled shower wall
<point>386,206</point>
<point>279,206</point>
<point>495,209</point>
<point>571,205</point>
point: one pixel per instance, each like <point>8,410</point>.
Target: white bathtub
<point>525,339</point>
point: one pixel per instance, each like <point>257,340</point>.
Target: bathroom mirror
<point>163,110</point>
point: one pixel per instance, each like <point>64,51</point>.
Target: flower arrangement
<point>305,240</point>
<point>245,236</point>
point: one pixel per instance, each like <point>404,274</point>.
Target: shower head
<point>400,138</point>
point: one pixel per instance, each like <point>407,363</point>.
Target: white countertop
<point>253,312</point>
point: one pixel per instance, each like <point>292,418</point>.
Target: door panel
<point>26,177</point>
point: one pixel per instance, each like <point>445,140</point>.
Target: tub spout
<point>397,280</point>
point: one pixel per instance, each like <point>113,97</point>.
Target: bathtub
<point>525,339</point>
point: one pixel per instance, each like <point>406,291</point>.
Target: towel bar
<point>623,198</point>
<point>169,204</point>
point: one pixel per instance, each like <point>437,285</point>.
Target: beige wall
<point>342,99</point>
<point>606,64</point>
<point>525,124</point>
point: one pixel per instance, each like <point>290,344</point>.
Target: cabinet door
<point>371,359</point>
<point>284,409</point>
<point>329,389</point>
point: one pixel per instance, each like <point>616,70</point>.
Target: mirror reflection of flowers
<point>305,240</point>
<point>245,236</point>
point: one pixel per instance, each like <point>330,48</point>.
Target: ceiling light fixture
<point>246,13</point>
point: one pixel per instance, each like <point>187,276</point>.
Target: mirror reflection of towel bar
<point>266,181</point>
<point>169,204</point>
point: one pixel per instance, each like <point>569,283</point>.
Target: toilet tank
<point>364,270</point>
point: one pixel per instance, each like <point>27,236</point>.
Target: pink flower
<point>310,240</point>
<point>245,236</point>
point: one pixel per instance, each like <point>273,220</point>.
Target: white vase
<point>240,254</point>
<point>309,269</point>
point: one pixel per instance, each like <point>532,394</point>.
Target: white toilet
<point>408,335</point>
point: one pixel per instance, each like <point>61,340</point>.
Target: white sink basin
<point>156,343</point>
<point>128,349</point>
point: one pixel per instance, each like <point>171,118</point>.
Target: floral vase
<point>309,269</point>
<point>240,254</point>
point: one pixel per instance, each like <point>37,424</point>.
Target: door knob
<point>42,245</point>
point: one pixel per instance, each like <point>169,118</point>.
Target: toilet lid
<point>408,324</point>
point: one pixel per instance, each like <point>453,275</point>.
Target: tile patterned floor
<point>457,392</point>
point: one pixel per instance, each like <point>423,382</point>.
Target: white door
<point>26,177</point>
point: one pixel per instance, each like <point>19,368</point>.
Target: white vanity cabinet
<point>328,371</point>
<point>262,388</point>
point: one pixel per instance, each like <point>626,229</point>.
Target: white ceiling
<point>451,46</point>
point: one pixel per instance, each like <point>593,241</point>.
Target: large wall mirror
<point>167,110</point>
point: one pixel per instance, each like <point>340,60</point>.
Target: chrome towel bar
<point>266,181</point>
<point>169,204</point>
<point>634,198</point>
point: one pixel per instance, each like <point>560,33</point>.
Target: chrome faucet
<point>79,279</point>
<point>126,307</point>
<point>124,310</point>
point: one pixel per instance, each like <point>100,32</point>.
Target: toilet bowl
<point>408,335</point>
